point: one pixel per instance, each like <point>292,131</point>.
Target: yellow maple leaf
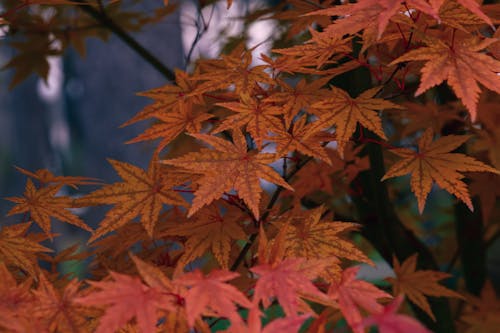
<point>228,166</point>
<point>344,112</point>
<point>42,204</point>
<point>19,250</point>
<point>418,284</point>
<point>142,193</point>
<point>209,229</point>
<point>434,162</point>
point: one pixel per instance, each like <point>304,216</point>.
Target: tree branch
<point>107,22</point>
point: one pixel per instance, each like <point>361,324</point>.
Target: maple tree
<point>274,178</point>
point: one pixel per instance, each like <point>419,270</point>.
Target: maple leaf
<point>209,230</point>
<point>175,320</point>
<point>241,171</point>
<point>352,17</point>
<point>434,162</point>
<point>300,138</point>
<point>472,5</point>
<point>257,116</point>
<point>288,280</point>
<point>125,297</point>
<point>57,310</point>
<point>309,237</point>
<point>42,204</point>
<point>211,293</point>
<point>19,250</point>
<point>352,294</point>
<point>293,100</point>
<point>44,176</point>
<point>174,108</point>
<point>461,63</point>
<point>346,112</point>
<point>388,321</point>
<point>280,325</point>
<point>142,193</point>
<point>320,50</point>
<point>481,313</point>
<point>233,69</point>
<point>415,284</point>
<point>15,301</point>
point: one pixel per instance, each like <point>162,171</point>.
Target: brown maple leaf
<point>417,284</point>
<point>481,313</point>
<point>142,193</point>
<point>17,249</point>
<point>460,61</point>
<point>434,162</point>
<point>42,204</point>
<point>228,166</point>
<point>344,112</point>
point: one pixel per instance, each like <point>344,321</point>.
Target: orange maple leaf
<point>45,177</point>
<point>233,69</point>
<point>460,62</point>
<point>57,310</point>
<point>353,17</point>
<point>309,237</point>
<point>258,117</point>
<point>434,162</point>
<point>174,108</point>
<point>293,99</point>
<point>353,294</point>
<point>212,294</point>
<point>19,250</point>
<point>344,112</point>
<point>16,302</point>
<point>415,284</point>
<point>42,204</point>
<point>209,229</point>
<point>301,138</point>
<point>142,193</point>
<point>322,49</point>
<point>229,166</point>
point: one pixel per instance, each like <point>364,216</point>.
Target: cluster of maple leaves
<point>210,242</point>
